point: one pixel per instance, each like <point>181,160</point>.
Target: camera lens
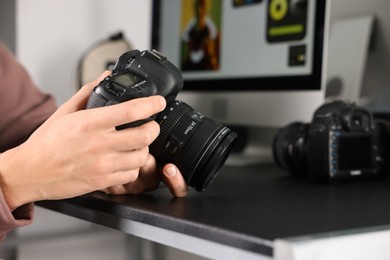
<point>289,148</point>
<point>197,145</point>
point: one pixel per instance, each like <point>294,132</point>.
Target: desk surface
<point>246,208</point>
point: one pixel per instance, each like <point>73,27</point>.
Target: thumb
<point>174,180</point>
<point>80,99</point>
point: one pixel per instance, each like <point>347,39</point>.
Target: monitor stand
<point>349,44</point>
<point>257,148</point>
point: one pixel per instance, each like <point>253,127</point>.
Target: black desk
<point>242,213</point>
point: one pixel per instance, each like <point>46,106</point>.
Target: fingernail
<point>170,171</point>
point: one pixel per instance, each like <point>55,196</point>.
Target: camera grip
<point>96,100</point>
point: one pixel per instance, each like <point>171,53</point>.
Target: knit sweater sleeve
<point>23,106</point>
<point>21,216</point>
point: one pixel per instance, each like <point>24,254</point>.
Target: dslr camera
<point>197,145</point>
<point>343,142</point>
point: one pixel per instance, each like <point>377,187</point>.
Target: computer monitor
<point>252,63</point>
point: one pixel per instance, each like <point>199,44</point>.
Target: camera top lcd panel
<point>133,77</point>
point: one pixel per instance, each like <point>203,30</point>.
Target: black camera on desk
<point>197,145</point>
<point>343,142</point>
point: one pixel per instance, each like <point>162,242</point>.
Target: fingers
<point>128,160</point>
<point>129,111</point>
<point>134,137</point>
<point>111,116</point>
<point>131,180</point>
<point>79,100</point>
<point>147,180</point>
<point>174,180</point>
<point>81,97</point>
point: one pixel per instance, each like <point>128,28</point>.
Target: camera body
<point>138,74</point>
<point>343,142</point>
<point>197,145</point>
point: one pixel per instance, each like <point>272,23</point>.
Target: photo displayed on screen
<point>200,20</point>
<point>222,39</point>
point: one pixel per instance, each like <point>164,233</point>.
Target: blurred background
<point>49,38</point>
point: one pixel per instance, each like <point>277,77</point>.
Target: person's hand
<point>77,151</point>
<point>149,178</point>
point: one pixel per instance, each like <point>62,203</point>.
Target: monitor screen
<point>248,63</point>
<point>242,45</point>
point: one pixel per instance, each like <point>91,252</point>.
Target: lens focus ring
<point>168,120</point>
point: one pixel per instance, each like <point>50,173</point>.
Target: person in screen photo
<point>200,35</point>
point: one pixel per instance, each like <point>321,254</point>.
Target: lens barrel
<point>289,148</point>
<point>197,145</point>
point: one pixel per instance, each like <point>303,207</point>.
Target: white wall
<point>53,34</point>
<point>376,77</point>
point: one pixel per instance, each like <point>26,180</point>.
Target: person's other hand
<point>149,178</point>
<point>77,151</point>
